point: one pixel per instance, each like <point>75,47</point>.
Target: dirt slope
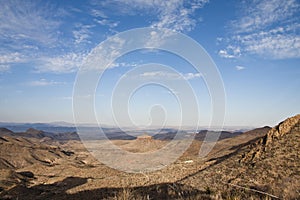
<point>271,164</point>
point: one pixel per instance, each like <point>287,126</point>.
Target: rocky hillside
<point>266,167</point>
<point>260,164</point>
<point>274,140</point>
<point>19,153</point>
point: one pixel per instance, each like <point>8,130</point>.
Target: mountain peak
<point>5,130</point>
<point>34,131</point>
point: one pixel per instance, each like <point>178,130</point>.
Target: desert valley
<point>262,163</point>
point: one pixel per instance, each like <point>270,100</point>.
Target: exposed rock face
<point>269,164</point>
<point>289,126</point>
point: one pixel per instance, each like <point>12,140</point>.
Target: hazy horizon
<point>93,125</point>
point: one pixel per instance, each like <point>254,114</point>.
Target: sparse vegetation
<point>244,167</point>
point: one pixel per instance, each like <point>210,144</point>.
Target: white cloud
<point>106,22</point>
<point>230,52</point>
<point>8,59</point>
<point>238,67</point>
<point>272,44</point>
<point>82,33</point>
<point>224,54</point>
<point>23,21</point>
<point>124,64</point>
<point>98,13</point>
<point>29,32</point>
<point>189,76</point>
<point>260,14</point>
<point>267,28</point>
<point>105,54</point>
<point>11,58</point>
<point>61,64</point>
<point>66,63</point>
<point>157,74</point>
<point>34,29</point>
<point>175,14</point>
<point>170,75</point>
<point>44,82</point>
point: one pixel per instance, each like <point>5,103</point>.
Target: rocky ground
<point>259,164</point>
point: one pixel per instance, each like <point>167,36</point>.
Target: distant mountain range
<point>63,131</point>
<point>61,126</point>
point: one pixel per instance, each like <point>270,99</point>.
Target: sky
<point>255,46</point>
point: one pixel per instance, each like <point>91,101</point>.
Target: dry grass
<point>269,171</point>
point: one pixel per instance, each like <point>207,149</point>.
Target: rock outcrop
<point>289,126</point>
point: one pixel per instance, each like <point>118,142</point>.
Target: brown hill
<point>274,140</point>
<point>231,145</point>
<point>258,164</point>
<point>142,144</point>
<point>268,166</point>
<point>34,133</point>
<point>21,152</point>
<point>29,133</point>
<point>5,131</point>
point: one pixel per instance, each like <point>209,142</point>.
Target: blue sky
<point>255,45</point>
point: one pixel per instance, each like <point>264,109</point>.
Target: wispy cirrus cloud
<point>23,22</point>
<point>33,29</point>
<point>41,34</point>
<point>263,13</point>
<point>31,33</point>
<point>267,28</point>
<point>168,16</point>
<point>275,43</point>
<point>29,30</point>
<point>176,15</point>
